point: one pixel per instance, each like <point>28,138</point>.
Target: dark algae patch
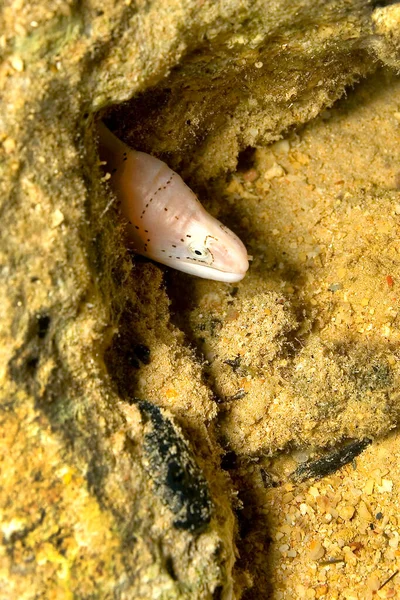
<point>172,466</point>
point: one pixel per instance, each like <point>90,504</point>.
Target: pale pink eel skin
<point>166,221</point>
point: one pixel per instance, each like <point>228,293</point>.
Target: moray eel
<point>166,221</point>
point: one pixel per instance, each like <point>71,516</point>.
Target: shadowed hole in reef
<point>126,355</point>
<point>246,159</point>
<point>24,364</point>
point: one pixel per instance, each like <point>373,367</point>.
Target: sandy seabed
<point>303,353</point>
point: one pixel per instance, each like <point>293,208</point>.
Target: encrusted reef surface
<point>155,428</point>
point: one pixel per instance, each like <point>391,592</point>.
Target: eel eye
<point>200,253</point>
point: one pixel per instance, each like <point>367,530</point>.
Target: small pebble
<point>250,175</point>
<point>313,491</point>
<point>394,541</point>
<point>57,218</point>
<point>281,147</point>
<point>387,592</point>
<point>301,456</point>
<point>17,63</point>
<point>316,550</point>
<point>303,509</point>
<point>335,287</point>
<point>350,557</point>
<point>363,511</point>
<point>9,145</point>
<point>373,583</point>
<point>369,487</point>
<point>321,591</point>
<point>346,512</point>
<point>274,171</point>
<point>253,131</point>
<point>387,486</point>
<point>286,498</point>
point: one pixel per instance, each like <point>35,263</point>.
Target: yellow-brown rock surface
<point>103,496</point>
